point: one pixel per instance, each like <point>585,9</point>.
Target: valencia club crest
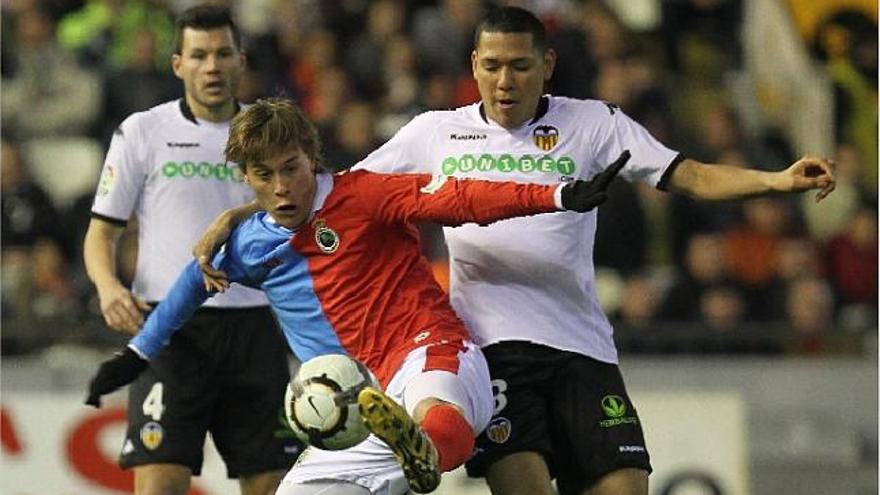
<point>546,137</point>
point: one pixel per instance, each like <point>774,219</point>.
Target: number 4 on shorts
<point>153,406</point>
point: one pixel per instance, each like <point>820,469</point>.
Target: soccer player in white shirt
<point>226,370</point>
<point>525,287</point>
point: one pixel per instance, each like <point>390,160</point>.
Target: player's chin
<point>215,97</point>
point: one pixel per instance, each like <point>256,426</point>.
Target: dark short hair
<point>203,18</point>
<point>512,20</point>
<point>270,126</point>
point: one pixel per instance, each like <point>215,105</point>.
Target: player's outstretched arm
<point>720,182</point>
<point>217,233</point>
<point>185,296</point>
<point>454,201</point>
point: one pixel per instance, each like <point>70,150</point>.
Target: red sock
<point>451,435</point>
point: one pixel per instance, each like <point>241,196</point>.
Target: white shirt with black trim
<point>529,278</point>
<point>167,168</point>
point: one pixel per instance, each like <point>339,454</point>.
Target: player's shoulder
<point>584,107</point>
<point>256,236</point>
<point>353,180</point>
<point>433,118</point>
<point>158,116</point>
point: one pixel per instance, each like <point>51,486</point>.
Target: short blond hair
<point>268,127</point>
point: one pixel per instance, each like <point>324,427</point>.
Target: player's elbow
<point>690,178</point>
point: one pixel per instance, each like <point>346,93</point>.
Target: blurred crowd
<point>787,273</point>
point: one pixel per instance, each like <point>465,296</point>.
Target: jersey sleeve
<point>123,175</point>
<point>400,154</point>
<point>450,201</point>
<point>650,158</point>
<point>184,298</point>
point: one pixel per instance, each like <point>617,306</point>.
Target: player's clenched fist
<point>116,372</point>
<point>583,196</point>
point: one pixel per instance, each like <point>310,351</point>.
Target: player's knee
<point>452,435</point>
<point>161,479</point>
<point>626,481</point>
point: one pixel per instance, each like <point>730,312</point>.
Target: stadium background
<point>748,331</point>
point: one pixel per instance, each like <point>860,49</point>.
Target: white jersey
<point>531,278</point>
<point>168,168</point>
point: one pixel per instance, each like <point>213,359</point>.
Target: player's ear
<point>176,60</point>
<point>549,63</point>
<point>474,63</point>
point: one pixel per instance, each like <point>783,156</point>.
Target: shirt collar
<point>190,116</point>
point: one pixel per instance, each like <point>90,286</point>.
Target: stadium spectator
<point>353,135</point>
<point>402,99</point>
<point>847,42</point>
<point>823,223</point>
<point>852,260</point>
<point>28,213</point>
<point>703,268</point>
<point>106,32</point>
<point>810,315</point>
<point>166,166</point>
<point>138,85</point>
<point>367,52</point>
<point>451,21</point>
<point>47,93</point>
<point>638,304</point>
<point>722,308</point>
<point>752,251</point>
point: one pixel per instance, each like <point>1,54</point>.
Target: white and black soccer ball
<point>321,401</point>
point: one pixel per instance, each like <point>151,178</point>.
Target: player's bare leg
<point>261,484</point>
<point>161,479</point>
<point>522,473</point>
<point>629,481</point>
<point>411,446</point>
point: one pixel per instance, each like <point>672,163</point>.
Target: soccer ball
<point>321,401</point>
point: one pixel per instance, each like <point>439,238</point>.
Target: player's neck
<point>222,113</point>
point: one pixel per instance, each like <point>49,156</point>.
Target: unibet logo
<point>204,170</point>
<point>506,163</point>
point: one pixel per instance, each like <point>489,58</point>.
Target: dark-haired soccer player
<point>525,287</point>
<point>226,370</point>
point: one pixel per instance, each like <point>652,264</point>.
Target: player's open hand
<point>217,233</point>
<point>215,280</point>
<point>583,196</point>
<point>122,310</point>
<point>116,372</point>
<point>808,173</point>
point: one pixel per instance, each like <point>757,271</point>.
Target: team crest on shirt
<point>326,238</point>
<point>152,435</point>
<point>498,430</point>
<point>546,137</point>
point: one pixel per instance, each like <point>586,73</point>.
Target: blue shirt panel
<point>258,254</point>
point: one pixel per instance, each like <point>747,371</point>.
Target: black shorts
<point>224,372</point>
<point>571,409</point>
